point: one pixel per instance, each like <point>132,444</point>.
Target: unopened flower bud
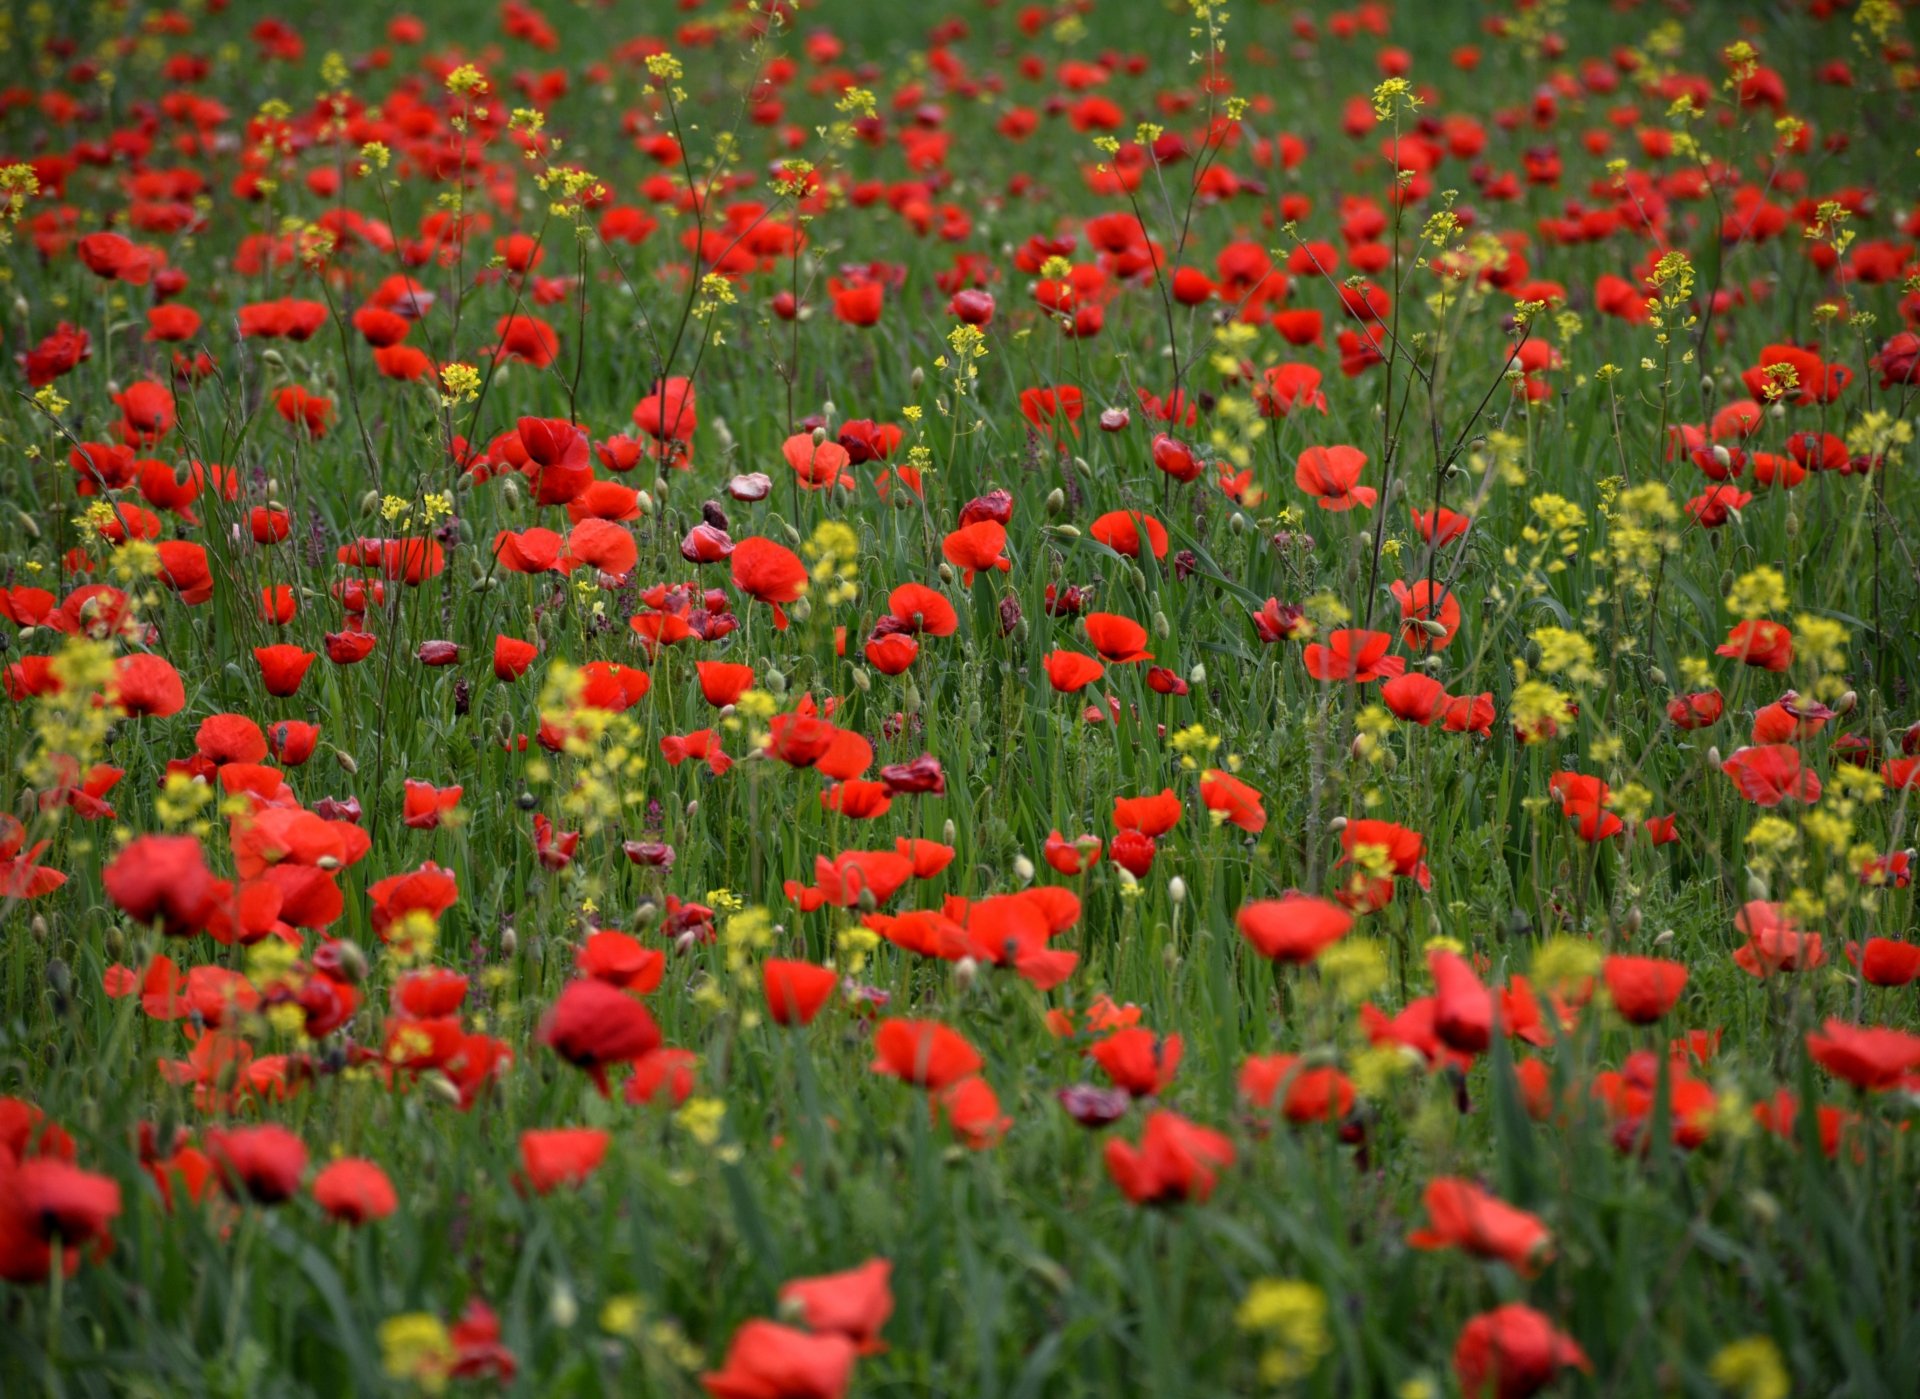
<point>1056,501</point>
<point>964,973</point>
<point>1023,869</point>
<point>1177,890</point>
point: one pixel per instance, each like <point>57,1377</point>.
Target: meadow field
<point>781,700</point>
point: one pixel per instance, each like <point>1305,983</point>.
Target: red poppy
<point>1358,656</point>
<point>1069,672</point>
<point>1512,1352</point>
<point>977,548</point>
<point>1461,1215</point>
<point>46,1201</point>
<point>1332,475</point>
<point>1176,1160</point>
<point>1319,1094</point>
<point>592,1025</point>
<point>354,1191</point>
<point>768,1361</point>
<point>1644,989</point>
<point>854,1304</point>
<point>1768,645</point>
<point>1294,928</point>
<point>262,1163</point>
<point>1138,1060</point>
<point>1870,1057</point>
<point>770,573</point>
<point>796,991</point>
<point>923,1052</point>
<point>561,1156</point>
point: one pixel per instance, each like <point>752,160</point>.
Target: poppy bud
<point>511,489</point>
<point>918,377</point>
<point>1793,524</point>
<point>1236,523</point>
<point>1337,824</point>
<point>644,501</point>
<point>866,902</point>
<point>1056,501</point>
<point>370,503</point>
<point>1139,578</point>
<point>911,701</point>
<point>946,574</point>
<point>819,436</point>
<point>441,1087</point>
<point>563,1308</point>
<point>964,972</point>
<point>800,609</point>
<point>1198,675</point>
<point>776,682</point>
<point>693,806</point>
<point>1663,938</point>
<point>723,433</point>
<point>346,761</point>
<point>39,928</point>
<point>509,941</point>
<point>273,359</point>
<point>1756,889</point>
<point>861,680</point>
<point>1631,923</point>
<point>1177,890</point>
<point>1023,869</point>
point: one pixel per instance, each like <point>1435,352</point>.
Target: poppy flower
<point>1885,961</point>
<point>1138,1060</point>
<point>592,1025</point>
<point>621,960</point>
<point>1351,654</point>
<point>723,682</point>
<point>1767,645</point>
<point>1124,531</point>
<point>561,1156</point>
<point>1295,928</point>
<point>1232,801</point>
<point>1417,698</point>
<point>1119,640</point>
<point>1311,1094</point>
<point>1332,475</point>
<point>1461,1215</point>
<point>922,610</point>
<point>1463,1009</point>
<point>923,1052</point>
<point>1768,774</point>
<point>262,1163</point>
<point>354,1191</point>
<point>977,548</point>
<point>1425,624</point>
<point>1774,943</point>
<point>1512,1352</point>
<point>1279,621</point>
<point>1284,387</point>
<point>1071,857</point>
<point>164,880</point>
<point>1869,1057</point>
<point>768,1361</point>
<point>854,1304</point>
<point>1176,1161</point>
<point>1153,815</point>
<point>1644,989</point>
<point>46,1201</point>
<point>770,573</point>
<point>1069,672</point>
<point>796,991</point>
<point>145,685</point>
